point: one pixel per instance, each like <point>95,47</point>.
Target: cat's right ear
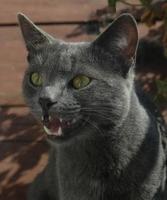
<point>121,35</point>
<point>33,36</point>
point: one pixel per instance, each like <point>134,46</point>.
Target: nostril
<point>45,103</point>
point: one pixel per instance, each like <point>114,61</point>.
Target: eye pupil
<point>36,79</point>
<point>80,81</point>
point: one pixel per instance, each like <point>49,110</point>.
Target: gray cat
<point>106,140</point>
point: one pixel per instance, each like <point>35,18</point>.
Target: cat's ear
<point>121,35</point>
<point>33,36</point>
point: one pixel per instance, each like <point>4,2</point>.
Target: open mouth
<point>54,126</point>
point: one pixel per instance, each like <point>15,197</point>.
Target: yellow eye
<point>36,79</point>
<point>80,81</point>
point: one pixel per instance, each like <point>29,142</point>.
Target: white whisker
<point>97,128</point>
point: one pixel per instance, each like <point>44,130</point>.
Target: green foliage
<point>146,3</point>
<point>112,3</point>
<point>161,95</point>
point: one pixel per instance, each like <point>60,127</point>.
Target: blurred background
<point>23,150</point>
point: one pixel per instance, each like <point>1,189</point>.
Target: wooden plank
<point>49,10</point>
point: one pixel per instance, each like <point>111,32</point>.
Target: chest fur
<point>80,175</point>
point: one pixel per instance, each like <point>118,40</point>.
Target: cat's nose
<point>45,103</point>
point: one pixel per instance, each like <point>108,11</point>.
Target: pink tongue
<point>53,125</point>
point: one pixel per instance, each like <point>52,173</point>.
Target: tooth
<point>59,131</point>
<point>68,123</point>
<point>42,118</point>
<point>47,130</point>
<point>61,120</point>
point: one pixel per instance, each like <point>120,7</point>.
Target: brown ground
<point>22,143</point>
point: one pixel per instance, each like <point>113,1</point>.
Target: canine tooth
<point>47,130</point>
<point>59,131</point>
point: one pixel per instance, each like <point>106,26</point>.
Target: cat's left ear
<point>33,36</point>
<point>121,35</point>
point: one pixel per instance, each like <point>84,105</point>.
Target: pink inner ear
<point>130,49</point>
<point>131,38</point>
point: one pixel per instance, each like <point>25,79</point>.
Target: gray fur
<point>116,151</point>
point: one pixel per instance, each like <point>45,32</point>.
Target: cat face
<point>70,85</point>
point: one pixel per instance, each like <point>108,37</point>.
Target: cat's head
<point>72,85</point>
